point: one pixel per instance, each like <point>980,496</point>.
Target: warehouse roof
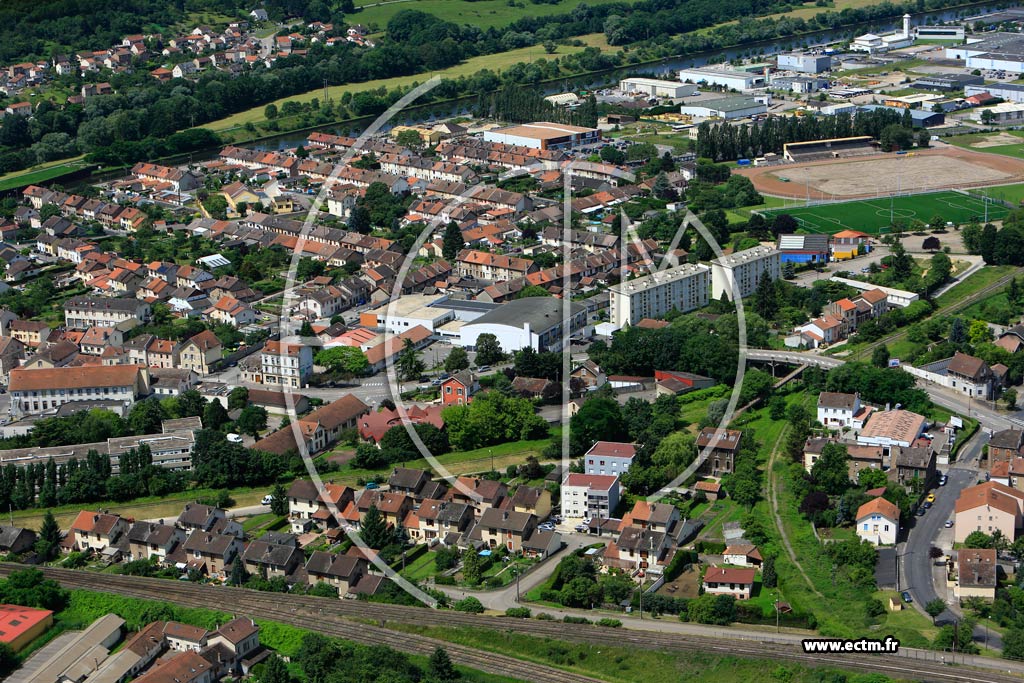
<point>539,313</point>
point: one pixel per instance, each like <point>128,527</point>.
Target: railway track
<point>945,310</point>
<point>354,620</point>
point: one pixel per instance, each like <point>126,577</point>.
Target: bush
<point>75,560</point>
<point>444,580</point>
<point>576,620</point>
<point>469,604</point>
<point>544,616</point>
<point>493,582</point>
<point>875,607</point>
<point>548,595</point>
<point>609,623</point>
<point>518,612</point>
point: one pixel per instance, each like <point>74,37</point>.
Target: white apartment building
<point>83,312</point>
<point>608,457</point>
<point>589,495</point>
<point>745,269</point>
<point>683,288</point>
<point>44,390</point>
<point>286,364</point>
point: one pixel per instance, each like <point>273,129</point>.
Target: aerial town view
<point>625,341</point>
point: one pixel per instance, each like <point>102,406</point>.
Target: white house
<point>589,495</point>
<point>742,555</point>
<point>608,457</point>
<point>738,583</point>
<point>836,410</point>
<point>878,522</point>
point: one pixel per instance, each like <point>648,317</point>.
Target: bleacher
<point>821,150</point>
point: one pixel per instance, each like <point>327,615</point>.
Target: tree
<point>871,478</point>
<point>766,303</point>
<point>238,398</point>
<point>1013,643</point>
<point>488,350</point>
<point>272,670</point>
<point>145,417</point>
<point>344,359</point>
<point>191,404</point>
<point>440,668</point>
<point>359,220</point>
<point>48,544</point>
<point>978,539</point>
<point>279,500</point>
<point>469,604</point>
<point>452,241</point>
<point>784,224</point>
<point>831,470</point>
<point>935,607</point>
<point>374,529</point>
<point>957,638</point>
<point>971,236</point>
<point>457,360</point>
<point>215,416</point>
<point>409,138</point>
<point>1009,399</point>
<point>270,112</point>
<point>238,574</point>
<point>987,244</point>
<point>769,579</point>
<point>252,420</point>
<point>880,356</point>
<point>409,365</point>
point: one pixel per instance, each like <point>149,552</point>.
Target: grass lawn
<point>980,279</point>
<point>482,13</point>
<point>257,524</point>
<point>616,663</point>
<point>421,568</point>
<point>742,214</point>
<point>466,462</point>
<point>873,215</point>
<point>167,507</point>
<point>495,62</point>
<point>971,140</point>
<point>40,174</point>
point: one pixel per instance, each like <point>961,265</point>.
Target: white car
<point>267,499</point>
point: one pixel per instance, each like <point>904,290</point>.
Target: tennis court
<point>874,216</point>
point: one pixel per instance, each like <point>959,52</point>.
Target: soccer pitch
<point>874,216</point>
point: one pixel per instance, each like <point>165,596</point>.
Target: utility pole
<point>776,611</point>
<point>518,572</point>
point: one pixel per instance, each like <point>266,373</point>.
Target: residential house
<point>878,522</point>
<point>93,531</point>
<point>1006,444</point>
<point>307,505</point>
<point>230,311</point>
<point>609,457</point>
<point>589,375</point>
<point>211,552</point>
<point>30,332</point>
<point>16,540</point>
<point>977,573</point>
<point>988,507</point>
<point>83,312</point>
<point>738,583</point>
<point>506,528</point>
<point>459,388</point>
<point>533,499</point>
<point>201,353</point>
<point>341,571</point>
<point>435,519</point>
<point>393,506</point>
<point>724,445</point>
<point>266,559</point>
<point>838,410</point>
<point>12,352</point>
<point>286,364</point>
<point>199,517</point>
<point>149,539</point>
<point>743,555</point>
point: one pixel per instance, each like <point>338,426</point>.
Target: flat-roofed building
<point>544,135</point>
<point>683,288</point>
<point>534,322</point>
<point>744,269</point>
<point>19,625</point>
<point>726,108</point>
<point>724,78</point>
<point>655,87</point>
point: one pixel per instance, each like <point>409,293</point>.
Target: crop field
<point>483,13</point>
<point>874,216</point>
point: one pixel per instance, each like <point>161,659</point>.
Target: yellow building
<point>429,137</point>
<point>19,626</point>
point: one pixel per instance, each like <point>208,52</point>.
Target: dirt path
<point>999,169</point>
<point>773,501</point>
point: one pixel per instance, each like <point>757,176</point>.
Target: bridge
<point>794,358</point>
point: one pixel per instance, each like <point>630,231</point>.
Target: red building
<point>458,389</point>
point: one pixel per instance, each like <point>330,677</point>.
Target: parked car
<point>266,500</point>
<point>930,498</point>
<point>921,511</point>
<point>906,597</point>
<point>943,479</point>
<point>370,485</point>
<point>949,524</point>
<point>484,368</point>
<point>582,528</point>
<point>927,504</point>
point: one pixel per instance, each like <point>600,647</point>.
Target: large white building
<point>589,495</point>
<point>877,44</point>
<point>805,63</point>
<point>723,78</point>
<point>609,457</point>
<point>655,87</point>
<point>995,52</point>
<point>544,135</point>
<point>727,108</point>
<point>536,322</point>
<point>406,312</point>
<point>683,288</point>
<point>745,269</point>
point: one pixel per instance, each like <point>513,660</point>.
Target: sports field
<point>874,216</point>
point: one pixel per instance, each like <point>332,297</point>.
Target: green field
<point>982,142</point>
<point>26,178</point>
<point>1007,193</point>
<point>874,216</point>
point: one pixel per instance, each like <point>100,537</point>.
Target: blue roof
<point>915,114</point>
